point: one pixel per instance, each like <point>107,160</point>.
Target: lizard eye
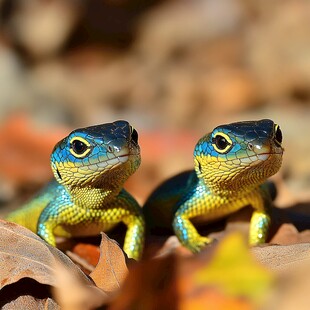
<point>221,143</point>
<point>79,147</point>
<point>278,135</point>
<point>134,135</point>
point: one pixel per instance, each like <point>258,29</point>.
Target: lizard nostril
<point>110,149</point>
<point>250,146</point>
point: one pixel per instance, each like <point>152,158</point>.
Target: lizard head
<point>239,155</point>
<point>102,155</point>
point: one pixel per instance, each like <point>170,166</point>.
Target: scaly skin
<point>90,166</point>
<point>231,165</point>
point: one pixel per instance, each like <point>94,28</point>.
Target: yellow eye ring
<point>79,147</point>
<point>221,142</point>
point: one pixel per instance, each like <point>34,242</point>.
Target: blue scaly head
<point>82,158</point>
<point>235,155</point>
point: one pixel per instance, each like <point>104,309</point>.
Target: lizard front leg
<point>260,220</point>
<point>187,233</point>
<point>195,205</point>
<point>132,217</point>
<point>259,227</point>
<point>134,238</point>
<point>54,215</point>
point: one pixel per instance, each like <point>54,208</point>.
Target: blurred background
<point>173,68</point>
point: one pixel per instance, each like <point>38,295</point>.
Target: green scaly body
<point>90,166</point>
<point>231,165</point>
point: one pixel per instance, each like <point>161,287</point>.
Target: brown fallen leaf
<point>222,276</point>
<point>283,257</point>
<point>73,294</point>
<point>150,284</point>
<point>27,294</point>
<point>288,234</point>
<point>24,255</point>
<point>88,252</point>
<point>111,269</point>
<point>29,302</point>
<point>173,246</point>
<point>81,262</point>
<point>85,255</point>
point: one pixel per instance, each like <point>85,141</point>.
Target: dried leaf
<point>283,257</point>
<point>84,265</point>
<point>89,252</point>
<point>288,234</point>
<point>85,255</point>
<point>73,294</point>
<point>111,270</point>
<point>29,303</point>
<point>24,254</point>
<point>150,285</point>
<point>173,246</point>
<point>26,257</point>
<point>27,294</point>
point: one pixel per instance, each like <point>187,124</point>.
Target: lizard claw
<point>197,245</point>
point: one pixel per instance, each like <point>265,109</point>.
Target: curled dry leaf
<point>72,294</point>
<point>24,256</point>
<point>111,269</point>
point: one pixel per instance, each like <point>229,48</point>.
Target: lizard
<point>86,197</point>
<point>232,164</point>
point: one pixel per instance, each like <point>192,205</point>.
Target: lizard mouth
<point>114,161</point>
<point>257,158</point>
<point>123,158</point>
<point>264,156</point>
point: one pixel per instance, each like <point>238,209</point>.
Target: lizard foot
<point>199,243</point>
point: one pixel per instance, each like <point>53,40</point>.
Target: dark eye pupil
<point>79,147</point>
<point>278,135</point>
<point>134,136</point>
<point>221,142</point>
